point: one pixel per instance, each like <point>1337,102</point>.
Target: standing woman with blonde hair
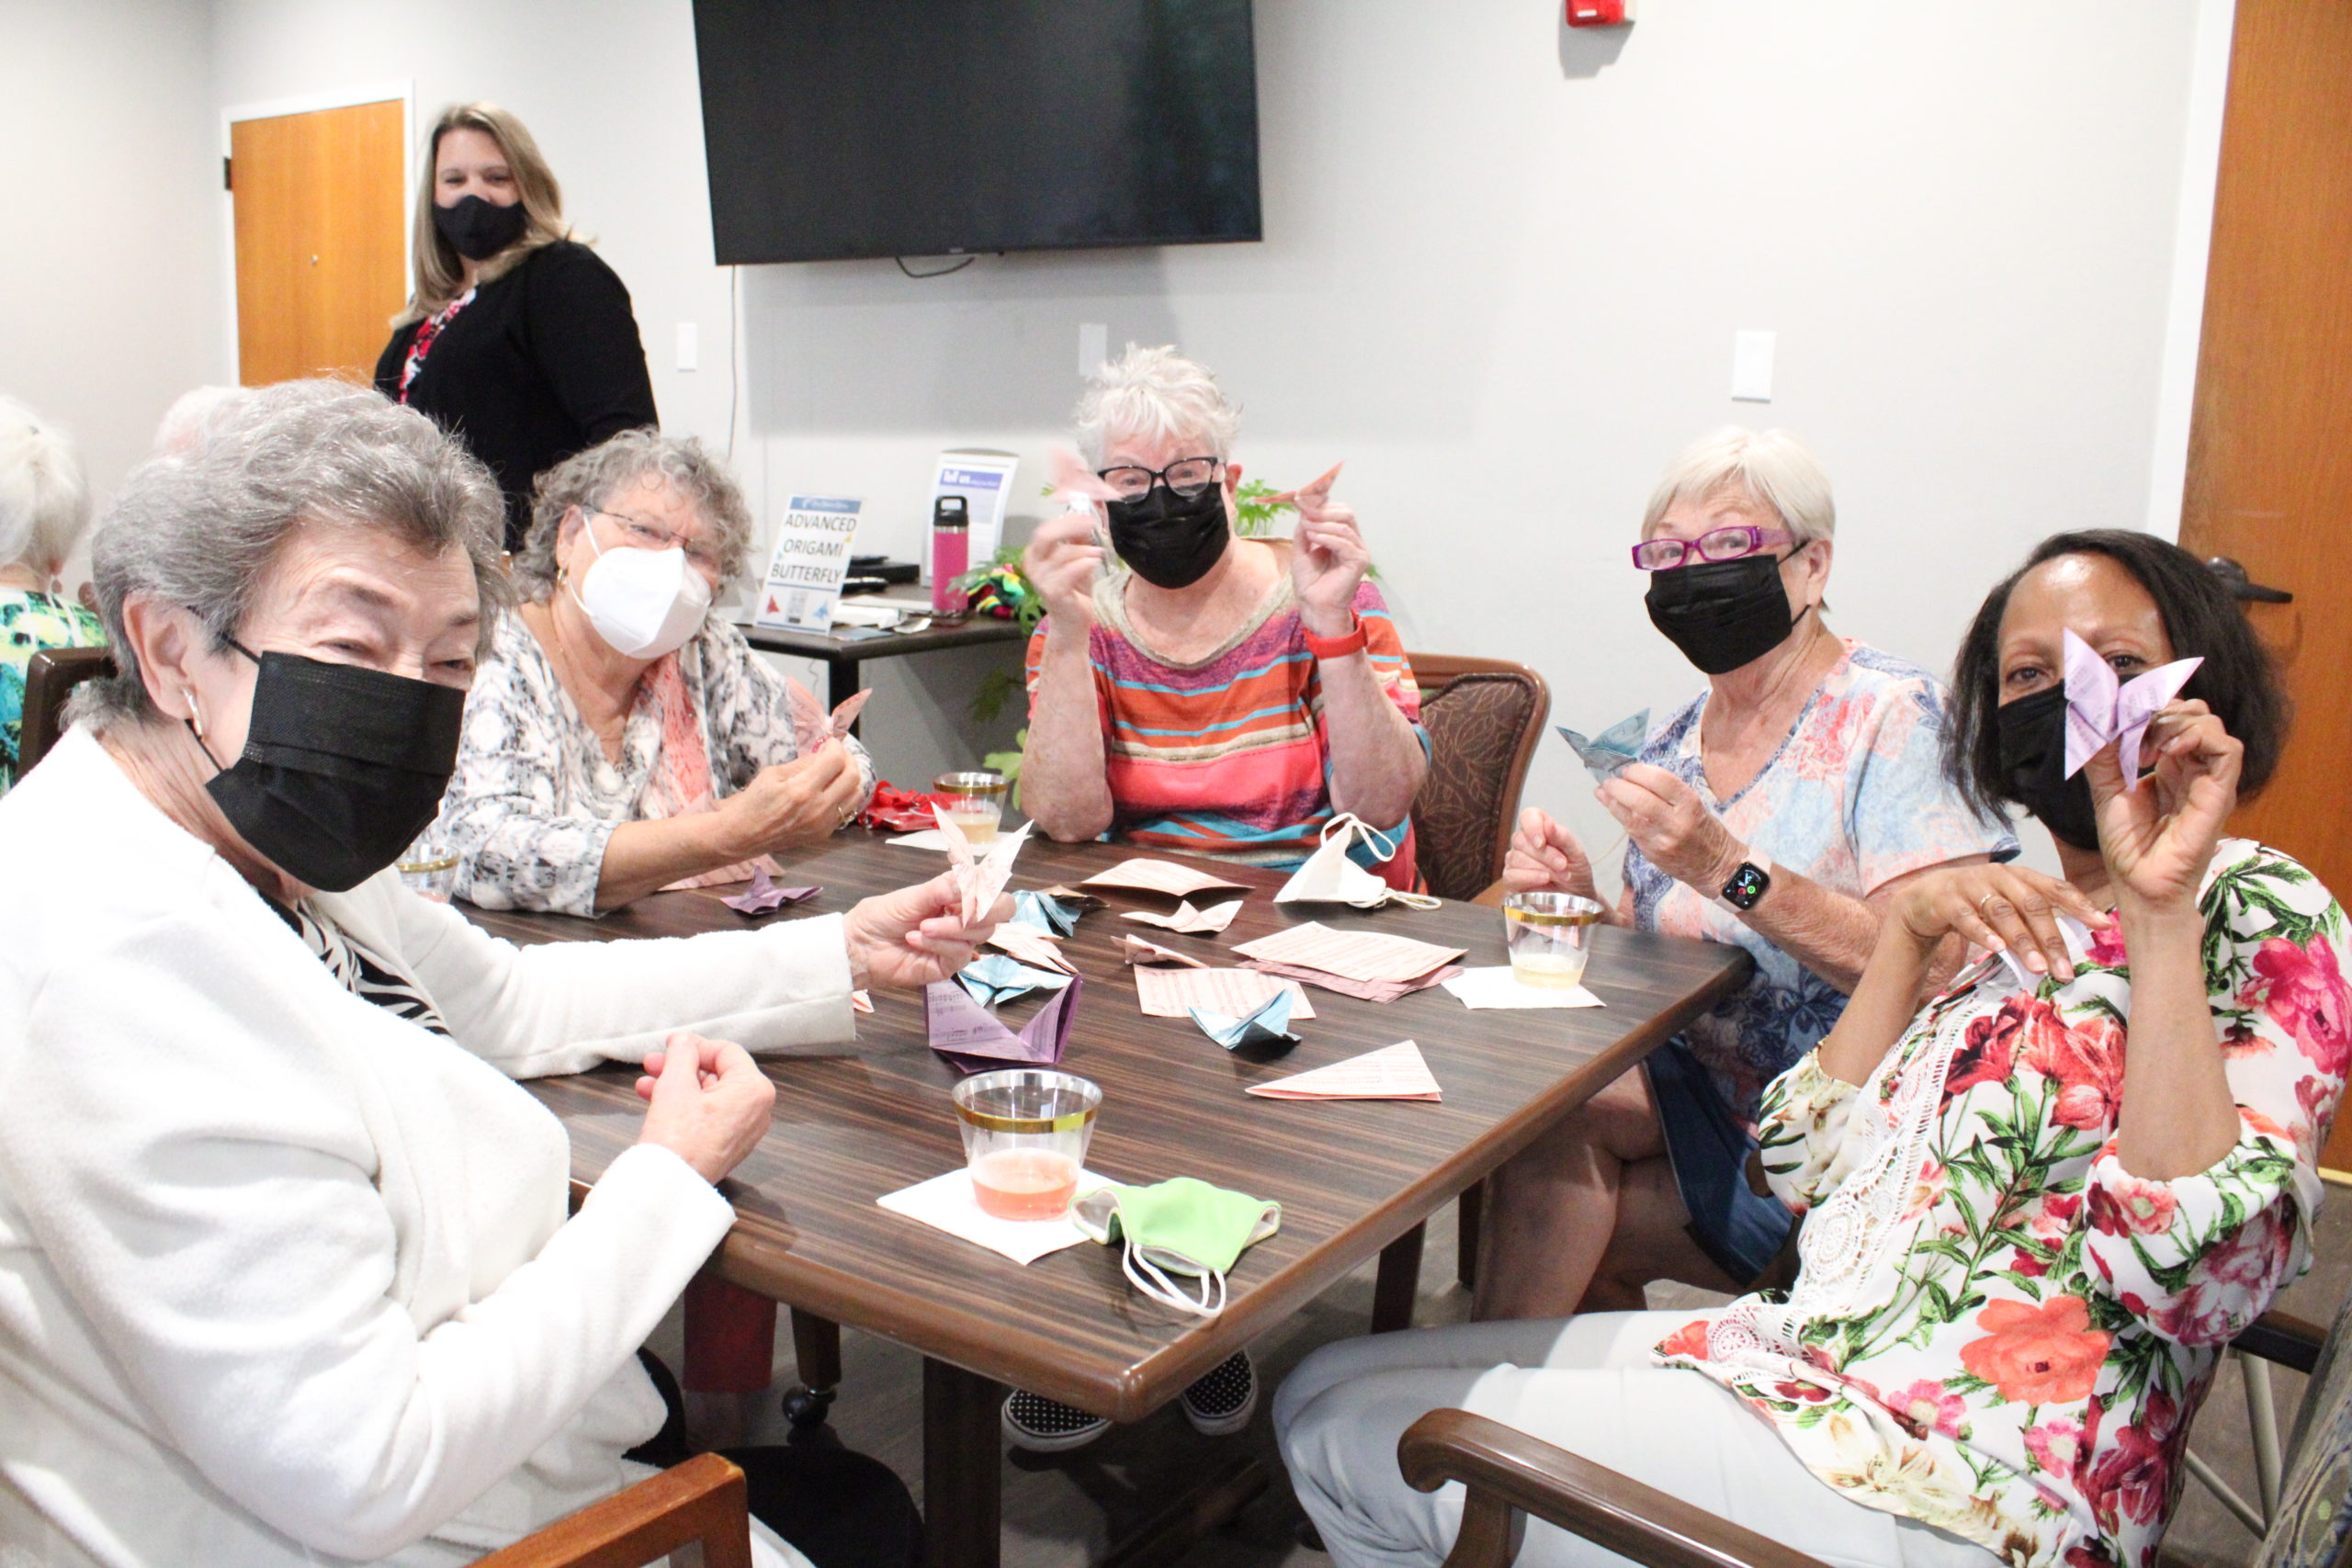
<point>519,339</point>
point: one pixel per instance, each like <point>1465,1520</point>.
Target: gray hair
<point>202,530</point>
<point>193,415</point>
<point>44,505</point>
<point>1772,468</point>
<point>1159,393</point>
<point>593,479</point>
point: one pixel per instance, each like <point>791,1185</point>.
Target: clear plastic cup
<point>1026,1132</point>
<point>1549,936</point>
<point>975,803</point>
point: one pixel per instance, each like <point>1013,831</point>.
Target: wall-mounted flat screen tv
<point>919,127</point>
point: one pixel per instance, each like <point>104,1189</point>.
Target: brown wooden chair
<point>1507,1472</point>
<point>1484,717</point>
<point>50,676</point>
<point>701,1500</point>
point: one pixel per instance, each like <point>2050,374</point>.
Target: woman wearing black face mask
<point>1779,811</point>
<point>294,1241</point>
<point>518,338</point>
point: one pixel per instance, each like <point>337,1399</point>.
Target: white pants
<point>1585,1384</point>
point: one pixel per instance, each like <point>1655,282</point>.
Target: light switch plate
<point>689,346</point>
<point>1093,347</point>
<point>1751,366</point>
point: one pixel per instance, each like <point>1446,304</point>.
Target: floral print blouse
<point>30,622</point>
<point>1997,1329</point>
<point>535,799</point>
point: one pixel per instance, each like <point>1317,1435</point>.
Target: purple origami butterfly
<point>763,895</point>
<point>2101,707</point>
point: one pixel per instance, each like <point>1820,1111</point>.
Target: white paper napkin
<point>929,838</point>
<point>1495,986</point>
<point>945,1202</point>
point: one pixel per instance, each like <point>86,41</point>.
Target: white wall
<point>109,258</point>
<point>1503,269</point>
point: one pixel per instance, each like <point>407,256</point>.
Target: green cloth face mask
<point>1180,1227</point>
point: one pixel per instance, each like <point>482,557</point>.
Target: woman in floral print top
<point>2038,1208</point>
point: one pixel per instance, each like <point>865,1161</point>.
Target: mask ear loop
<point>1165,1291</point>
<point>1383,848</point>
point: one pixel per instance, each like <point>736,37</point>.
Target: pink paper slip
<point>1188,920</point>
<point>1373,957</point>
<point>1159,876</point>
<point>1393,1072</point>
<point>1236,993</point>
<point>1134,950</point>
<point>1370,990</point>
<point>1030,945</point>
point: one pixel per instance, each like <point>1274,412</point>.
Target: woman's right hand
<point>1544,856</point>
<point>707,1101</point>
<point>1996,907</point>
<point>1061,564</point>
<point>793,805</point>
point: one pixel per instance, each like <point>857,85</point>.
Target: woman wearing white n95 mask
<point>620,738</point>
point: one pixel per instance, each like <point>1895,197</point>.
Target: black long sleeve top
<point>544,363</point>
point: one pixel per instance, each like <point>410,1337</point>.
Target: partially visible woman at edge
<point>44,506</point>
<point>519,339</point>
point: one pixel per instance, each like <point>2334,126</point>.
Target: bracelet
<point>1353,641</point>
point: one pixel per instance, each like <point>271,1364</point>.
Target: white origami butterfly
<point>2101,707</point>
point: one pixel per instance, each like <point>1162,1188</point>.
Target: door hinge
<point>224,175</point>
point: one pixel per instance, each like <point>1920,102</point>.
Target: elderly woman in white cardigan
<point>284,1267</point>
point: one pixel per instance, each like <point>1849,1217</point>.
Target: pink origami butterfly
<point>2101,707</point>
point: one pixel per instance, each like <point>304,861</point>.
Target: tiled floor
<point>1066,1510</point>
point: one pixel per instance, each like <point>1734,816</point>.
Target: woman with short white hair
<point>1779,810</point>
<point>44,506</point>
<point>287,1269</point>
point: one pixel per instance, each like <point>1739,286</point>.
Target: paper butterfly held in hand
<point>2101,707</point>
<point>1313,494</point>
<point>980,878</point>
<point>1607,754</point>
<point>811,725</point>
<point>1072,483</point>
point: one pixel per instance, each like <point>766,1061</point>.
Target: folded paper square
<point>1136,950</point>
<point>1494,986</point>
<point>2101,707</point>
<point>1264,1029</point>
<point>1161,876</point>
<point>1174,993</point>
<point>993,979</point>
<point>1044,912</point>
<point>763,895</point>
<point>973,1040</point>
<point>1188,920</point>
<point>1376,957</point>
<point>1607,753</point>
<point>1393,1072</point>
<point>1031,946</point>
<point>945,1202</point>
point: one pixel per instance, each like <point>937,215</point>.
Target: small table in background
<point>842,654</point>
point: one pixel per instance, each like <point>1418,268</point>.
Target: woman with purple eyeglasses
<point>1780,809</point>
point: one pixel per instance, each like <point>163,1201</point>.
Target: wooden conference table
<point>1354,1177</point>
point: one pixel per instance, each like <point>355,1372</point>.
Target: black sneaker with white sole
<point>1221,1403</point>
<point>1045,1426</point>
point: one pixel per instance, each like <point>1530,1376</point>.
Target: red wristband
<point>1354,641</point>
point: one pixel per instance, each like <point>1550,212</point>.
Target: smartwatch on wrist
<point>1747,886</point>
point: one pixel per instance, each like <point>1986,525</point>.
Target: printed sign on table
<point>811,557</point>
<point>985,481</point>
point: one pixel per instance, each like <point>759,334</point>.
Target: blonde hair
<point>44,505</point>
<point>440,270</point>
<point>1154,392</point>
<point>1772,468</point>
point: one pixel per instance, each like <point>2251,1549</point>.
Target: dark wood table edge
<point>1013,1355</point>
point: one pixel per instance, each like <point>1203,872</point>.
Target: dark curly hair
<point>2237,681</point>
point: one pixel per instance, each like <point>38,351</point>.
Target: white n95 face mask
<point>644,603</point>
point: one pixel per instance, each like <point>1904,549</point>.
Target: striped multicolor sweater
<point>1228,756</point>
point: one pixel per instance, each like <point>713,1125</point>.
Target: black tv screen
<point>903,127</point>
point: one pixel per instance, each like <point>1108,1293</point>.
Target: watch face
<point>1745,886</point>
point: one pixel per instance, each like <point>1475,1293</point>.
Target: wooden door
<point>2270,441</point>
<point>320,214</point>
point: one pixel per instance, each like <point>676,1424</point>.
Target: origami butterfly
<point>2101,707</point>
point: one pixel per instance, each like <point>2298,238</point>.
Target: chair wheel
<point>806,1410</point>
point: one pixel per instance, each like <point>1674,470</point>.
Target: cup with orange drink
<point>1026,1132</point>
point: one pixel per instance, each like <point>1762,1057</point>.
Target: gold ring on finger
<point>1988,899</point>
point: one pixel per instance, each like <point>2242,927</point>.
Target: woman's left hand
<point>1676,831</point>
<point>914,936</point>
<point>1327,560</point>
<point>2157,840</point>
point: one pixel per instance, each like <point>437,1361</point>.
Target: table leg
<point>963,1497</point>
<point>1400,1280</point>
<point>841,682</point>
<point>1469,1210</point>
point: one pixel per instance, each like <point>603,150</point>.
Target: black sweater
<point>544,363</point>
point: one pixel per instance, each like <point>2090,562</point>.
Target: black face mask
<point>478,229</point>
<point>343,767</point>
<point>2031,733</point>
<point>1168,541</point>
<point>1722,614</point>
